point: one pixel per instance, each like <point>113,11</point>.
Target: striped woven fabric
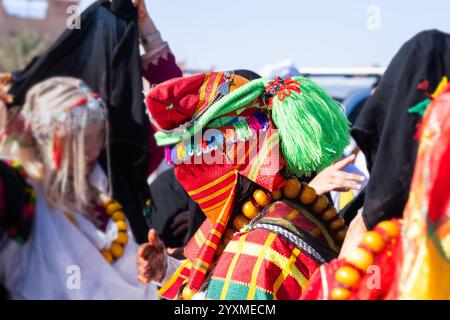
<point>267,264</point>
<point>243,142</point>
<point>213,187</point>
<point>213,184</point>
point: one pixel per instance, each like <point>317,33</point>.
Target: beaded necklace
<point>115,212</point>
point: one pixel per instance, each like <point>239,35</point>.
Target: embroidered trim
<point>237,129</point>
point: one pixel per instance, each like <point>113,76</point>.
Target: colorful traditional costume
<point>233,143</point>
<point>408,258</point>
<point>104,53</point>
<point>40,246</point>
<point>401,258</point>
<point>47,252</point>
<point>384,129</point>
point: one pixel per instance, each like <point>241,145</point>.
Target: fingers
<point>181,230</point>
<point>180,223</point>
<point>180,219</point>
<point>143,262</point>
<point>339,184</point>
<point>143,279</point>
<point>143,250</point>
<point>177,253</point>
<point>154,271</point>
<point>153,239</point>
<point>350,176</point>
<point>341,164</point>
<point>171,251</point>
<point>151,259</point>
<point>152,267</point>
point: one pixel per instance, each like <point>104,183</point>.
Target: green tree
<point>16,51</point>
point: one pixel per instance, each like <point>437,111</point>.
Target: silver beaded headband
<point>85,112</point>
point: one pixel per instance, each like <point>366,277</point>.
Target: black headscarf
<point>385,129</point>
<point>104,53</point>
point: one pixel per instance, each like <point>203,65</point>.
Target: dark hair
<point>247,74</point>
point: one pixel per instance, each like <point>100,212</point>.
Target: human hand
<point>180,224</point>
<point>355,232</point>
<point>151,259</point>
<point>142,9</point>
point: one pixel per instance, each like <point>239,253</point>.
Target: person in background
<point>60,226</point>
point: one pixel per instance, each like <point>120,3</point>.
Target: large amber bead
<point>116,250</point>
<point>340,294</point>
<point>276,195</point>
<point>239,222</point>
<point>391,228</point>
<point>292,188</point>
<point>374,241</point>
<point>187,293</point>
<point>261,198</point>
<point>117,216</point>
<point>340,235</point>
<point>122,238</point>
<point>347,276</point>
<point>113,207</point>
<point>107,255</point>
<point>360,258</point>
<point>320,205</point>
<point>329,214</point>
<point>121,225</point>
<point>308,195</point>
<point>337,223</point>
<point>249,209</point>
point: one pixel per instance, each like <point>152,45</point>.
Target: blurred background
<point>344,45</point>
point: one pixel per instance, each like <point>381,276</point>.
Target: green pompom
<point>314,130</point>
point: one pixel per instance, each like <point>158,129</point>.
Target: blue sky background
<point>316,33</point>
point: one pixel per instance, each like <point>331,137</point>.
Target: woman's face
<point>94,141</point>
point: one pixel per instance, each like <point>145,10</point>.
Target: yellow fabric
<point>345,198</point>
<point>286,272</point>
<point>429,276</point>
<point>216,194</point>
<point>257,267</point>
<point>440,87</point>
<point>425,272</point>
<point>211,184</point>
<point>254,250</point>
<point>232,266</point>
<point>174,277</point>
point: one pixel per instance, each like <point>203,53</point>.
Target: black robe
<point>385,130</point>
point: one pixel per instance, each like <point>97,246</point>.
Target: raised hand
<point>333,178</point>
<point>151,259</point>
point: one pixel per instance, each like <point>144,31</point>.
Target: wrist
<point>317,185</point>
<point>146,26</point>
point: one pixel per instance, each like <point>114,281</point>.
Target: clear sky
<point>316,33</point>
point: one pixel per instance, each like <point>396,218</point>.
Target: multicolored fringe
<point>238,129</point>
<point>422,106</point>
<point>313,127</point>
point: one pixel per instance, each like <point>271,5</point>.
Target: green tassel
<point>314,130</point>
<point>243,131</point>
<point>236,100</point>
